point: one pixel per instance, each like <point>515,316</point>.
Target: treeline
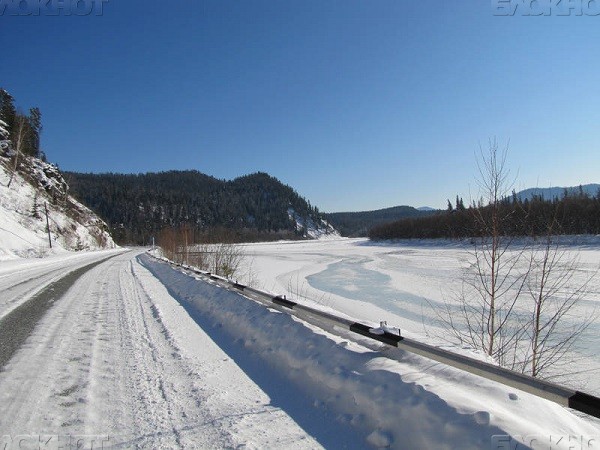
<point>19,132</point>
<point>222,235</point>
<point>358,224</point>
<point>137,207</point>
<point>571,214</point>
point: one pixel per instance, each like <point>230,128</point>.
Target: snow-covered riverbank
<point>407,283</point>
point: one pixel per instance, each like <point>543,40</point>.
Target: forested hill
<point>136,207</point>
<point>571,214</point>
<point>359,223</point>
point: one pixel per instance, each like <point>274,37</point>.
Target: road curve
<point>20,280</point>
<point>18,324</point>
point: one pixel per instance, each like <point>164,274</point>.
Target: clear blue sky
<point>356,104</point>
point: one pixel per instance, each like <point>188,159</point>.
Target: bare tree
<point>222,258</point>
<point>167,240</point>
<point>517,297</point>
<point>553,329</point>
<point>227,258</point>
<point>492,289</point>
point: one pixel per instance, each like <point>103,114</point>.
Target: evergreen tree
<point>4,142</point>
<point>35,212</point>
<point>8,112</point>
<point>35,123</point>
<point>22,130</point>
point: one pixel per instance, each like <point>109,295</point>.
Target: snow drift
<point>412,403</point>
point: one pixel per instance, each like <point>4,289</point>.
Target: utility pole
<point>48,224</point>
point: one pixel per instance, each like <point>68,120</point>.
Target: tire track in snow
<point>15,293</point>
<point>43,387</point>
<point>17,325</point>
<point>108,359</point>
<point>154,417</point>
<point>22,280</point>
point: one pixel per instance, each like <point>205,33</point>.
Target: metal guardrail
<point>564,396</point>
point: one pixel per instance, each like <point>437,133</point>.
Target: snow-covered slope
<point>35,186</point>
<point>311,229</point>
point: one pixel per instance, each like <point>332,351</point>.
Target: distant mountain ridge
<point>359,223</point>
<point>550,193</point>
<point>136,207</point>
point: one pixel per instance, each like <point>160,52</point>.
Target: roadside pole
<point>48,224</point>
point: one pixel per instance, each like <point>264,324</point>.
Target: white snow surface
<point>411,403</point>
<point>404,282</point>
<point>23,231</point>
<point>142,355</point>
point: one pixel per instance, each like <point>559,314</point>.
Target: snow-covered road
<point>103,362</point>
<point>21,279</point>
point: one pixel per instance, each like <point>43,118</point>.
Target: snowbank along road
<point>136,354</point>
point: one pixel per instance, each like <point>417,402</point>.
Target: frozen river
<point>409,284</point>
